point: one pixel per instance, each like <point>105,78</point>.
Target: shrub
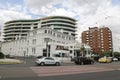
<point>1,55</point>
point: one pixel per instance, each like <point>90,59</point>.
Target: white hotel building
<point>55,38</point>
<point>15,28</point>
<point>59,44</point>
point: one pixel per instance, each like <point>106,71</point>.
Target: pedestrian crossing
<point>66,70</point>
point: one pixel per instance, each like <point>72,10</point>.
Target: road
<point>68,71</point>
<point>107,75</point>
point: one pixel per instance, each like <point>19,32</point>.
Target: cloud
<point>37,3</point>
<point>89,13</point>
<point>12,13</point>
<point>7,15</point>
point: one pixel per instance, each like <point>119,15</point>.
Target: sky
<point>88,13</point>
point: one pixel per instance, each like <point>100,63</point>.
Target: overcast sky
<point>89,13</point>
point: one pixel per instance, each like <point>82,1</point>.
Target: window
<point>101,38</point>
<point>86,35</point>
<point>35,27</point>
<point>63,36</point>
<point>110,49</point>
<point>45,31</point>
<point>34,41</point>
<point>53,40</point>
<point>53,34</point>
<point>49,59</point>
<point>49,31</point>
<point>34,32</point>
<point>87,32</point>
<point>28,42</point>
<point>33,50</point>
<point>109,33</point>
<point>58,41</point>
<point>69,38</point>
<point>58,35</point>
<point>102,49</point>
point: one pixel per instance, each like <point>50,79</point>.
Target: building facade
<point>52,36</point>
<point>35,44</point>
<point>99,39</point>
<point>43,42</point>
<point>18,28</point>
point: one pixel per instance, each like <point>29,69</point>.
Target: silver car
<point>47,61</point>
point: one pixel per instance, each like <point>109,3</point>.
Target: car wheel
<point>82,63</point>
<point>57,64</point>
<point>42,63</point>
<point>92,62</point>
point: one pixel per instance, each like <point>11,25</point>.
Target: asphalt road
<point>30,62</point>
<point>107,75</point>
<point>29,71</point>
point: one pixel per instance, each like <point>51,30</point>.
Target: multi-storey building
<point>19,28</point>
<point>99,39</point>
<point>51,36</point>
<point>44,42</point>
<point>37,41</point>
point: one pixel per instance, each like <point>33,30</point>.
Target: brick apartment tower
<point>99,39</point>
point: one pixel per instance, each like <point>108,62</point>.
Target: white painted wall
<point>23,47</point>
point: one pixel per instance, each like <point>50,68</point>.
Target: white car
<point>47,61</point>
<point>115,59</point>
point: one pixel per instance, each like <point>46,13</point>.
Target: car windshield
<point>39,57</point>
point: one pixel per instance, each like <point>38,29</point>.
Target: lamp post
<point>47,40</point>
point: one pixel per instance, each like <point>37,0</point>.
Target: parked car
<point>73,59</point>
<point>39,57</point>
<point>118,58</point>
<point>83,60</point>
<point>47,61</point>
<point>115,59</point>
<point>105,60</point>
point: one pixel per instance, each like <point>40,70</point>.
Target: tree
<point>107,53</point>
<point>1,55</point>
<point>116,54</point>
<point>82,49</point>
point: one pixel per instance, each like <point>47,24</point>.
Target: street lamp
<point>47,40</point>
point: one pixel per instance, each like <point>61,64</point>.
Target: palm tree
<point>82,49</point>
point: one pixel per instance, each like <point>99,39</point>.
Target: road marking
<point>118,69</point>
<point>65,70</point>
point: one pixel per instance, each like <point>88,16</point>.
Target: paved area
<point>65,70</point>
<point>29,70</point>
<point>16,72</point>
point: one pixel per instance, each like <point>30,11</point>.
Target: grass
<point>10,61</point>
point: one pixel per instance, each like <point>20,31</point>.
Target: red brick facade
<point>99,39</point>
